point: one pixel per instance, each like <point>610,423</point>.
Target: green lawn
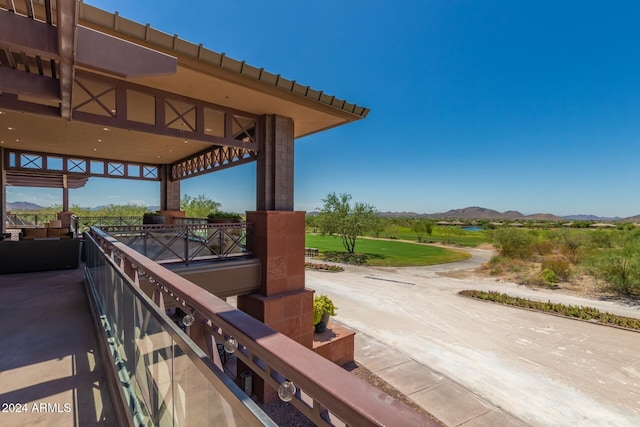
<point>389,253</point>
<point>442,234</point>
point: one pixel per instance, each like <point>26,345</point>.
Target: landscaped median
<point>323,267</point>
<point>573,311</point>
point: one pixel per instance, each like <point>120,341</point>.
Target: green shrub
<point>560,267</point>
<point>513,243</point>
<point>346,258</point>
<point>544,247</point>
<point>322,305</point>
<point>548,276</point>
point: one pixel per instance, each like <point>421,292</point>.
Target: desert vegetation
<point>548,257</point>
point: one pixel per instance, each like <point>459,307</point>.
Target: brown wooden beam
<point>67,14</point>
<point>23,34</point>
<point>10,101</point>
<point>23,83</point>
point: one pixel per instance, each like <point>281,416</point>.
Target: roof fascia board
<point>103,52</point>
<point>218,64</point>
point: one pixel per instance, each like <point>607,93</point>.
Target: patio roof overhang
<point>80,81</point>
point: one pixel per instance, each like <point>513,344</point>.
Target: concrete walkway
<point>50,370</point>
<point>442,397</point>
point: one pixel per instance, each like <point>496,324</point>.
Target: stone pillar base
<point>290,313</point>
<point>170,215</point>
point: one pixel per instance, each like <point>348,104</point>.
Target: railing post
<point>187,232</point>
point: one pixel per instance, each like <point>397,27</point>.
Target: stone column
<point>169,190</point>
<point>275,164</point>
<point>169,196</point>
<point>277,240</point>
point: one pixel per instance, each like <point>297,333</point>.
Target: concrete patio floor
<point>50,370</point>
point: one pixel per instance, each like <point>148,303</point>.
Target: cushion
<point>55,223</point>
<point>34,233</point>
<point>58,232</point>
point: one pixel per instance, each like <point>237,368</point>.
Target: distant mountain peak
<point>23,206</point>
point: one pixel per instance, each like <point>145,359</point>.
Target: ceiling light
<point>207,130</point>
<point>10,128</point>
<point>185,141</point>
<point>106,129</point>
<point>99,140</point>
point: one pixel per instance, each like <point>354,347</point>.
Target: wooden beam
<point>23,83</point>
<point>22,34</point>
<point>67,14</point>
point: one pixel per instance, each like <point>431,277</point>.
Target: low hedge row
<point>578,311</point>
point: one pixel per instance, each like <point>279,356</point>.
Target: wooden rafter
<point>67,20</point>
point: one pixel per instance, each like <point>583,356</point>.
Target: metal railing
<point>166,380</point>
<point>324,392</point>
<point>28,219</point>
<point>185,243</point>
<point>84,222</point>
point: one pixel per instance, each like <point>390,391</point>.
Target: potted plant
<point>323,307</point>
<point>152,218</point>
<point>220,216</point>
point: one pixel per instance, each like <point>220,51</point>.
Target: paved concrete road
<point>544,369</point>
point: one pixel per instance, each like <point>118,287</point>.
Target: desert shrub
<point>512,243</point>
<point>619,268</point>
<point>543,247</point>
<point>549,276</point>
<point>602,239</point>
<point>560,267</point>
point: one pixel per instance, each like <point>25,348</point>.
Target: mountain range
<point>472,212</point>
<point>475,212</point>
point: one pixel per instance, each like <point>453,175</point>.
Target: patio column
<point>3,193</point>
<point>275,164</point>
<point>65,194</point>
<point>277,240</point>
<point>169,196</point>
<point>169,190</point>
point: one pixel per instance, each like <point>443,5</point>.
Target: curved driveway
<point>544,369</point>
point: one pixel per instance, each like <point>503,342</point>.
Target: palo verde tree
<point>422,226</point>
<point>198,207</point>
<point>339,217</point>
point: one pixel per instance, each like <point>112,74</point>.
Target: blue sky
<point>510,105</point>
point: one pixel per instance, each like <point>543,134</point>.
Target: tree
<point>339,217</point>
<point>198,207</point>
<point>422,227</point>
